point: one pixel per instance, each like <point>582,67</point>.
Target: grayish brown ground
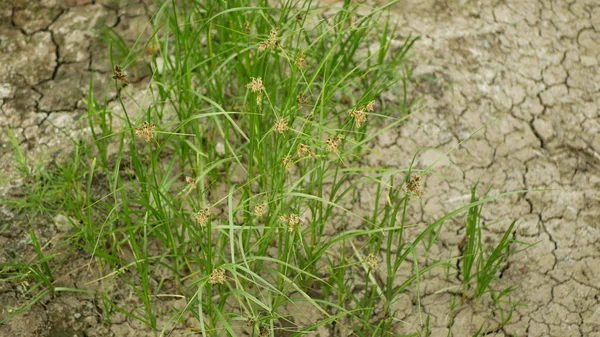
<point>529,67</point>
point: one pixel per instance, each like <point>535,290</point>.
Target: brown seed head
<point>203,216</point>
<point>250,321</point>
<point>360,116</point>
<point>191,182</point>
<point>146,131</point>
<point>301,99</point>
<point>287,162</point>
<point>255,85</point>
<point>371,261</point>
<point>217,276</point>
<point>264,331</point>
<point>414,186</point>
<point>119,75</point>
<point>247,27</point>
<point>370,106</point>
<point>301,60</point>
<point>293,221</point>
<point>281,125</point>
<point>332,144</point>
<point>302,149</point>
<point>260,209</point>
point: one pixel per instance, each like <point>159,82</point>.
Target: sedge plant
<point>230,168</point>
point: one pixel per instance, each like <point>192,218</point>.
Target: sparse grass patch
<point>229,180</point>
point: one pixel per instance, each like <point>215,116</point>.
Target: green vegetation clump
<point>231,174</point>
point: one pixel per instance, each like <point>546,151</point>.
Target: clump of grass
<point>240,164</point>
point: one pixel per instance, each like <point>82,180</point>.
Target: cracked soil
<point>527,70</point>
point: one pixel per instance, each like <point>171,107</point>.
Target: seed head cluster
<point>301,61</point>
<point>301,99</point>
<point>302,150</point>
<point>272,42</point>
<point>332,144</point>
<point>371,261</point>
<point>119,75</point>
<point>414,186</point>
<point>255,85</point>
<point>146,131</point>
<point>287,162</point>
<point>260,209</point>
<point>281,125</point>
<point>203,216</point>
<point>360,114</point>
<point>217,276</point>
<point>293,221</point>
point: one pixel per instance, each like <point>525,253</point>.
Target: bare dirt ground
<point>528,68</point>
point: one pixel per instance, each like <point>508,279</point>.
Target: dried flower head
<point>217,276</point>
<point>262,46</point>
<point>264,331</point>
<point>281,125</point>
<point>371,261</point>
<point>247,27</point>
<point>287,162</point>
<point>293,221</point>
<point>302,149</point>
<point>360,116</point>
<point>414,186</point>
<point>301,99</point>
<point>260,209</point>
<point>301,61</point>
<point>332,144</point>
<point>250,321</point>
<point>255,85</point>
<point>191,182</point>
<point>370,106</point>
<point>119,75</point>
<point>146,131</point>
<point>272,42</point>
<point>203,216</point>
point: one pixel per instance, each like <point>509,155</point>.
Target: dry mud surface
<point>527,69</point>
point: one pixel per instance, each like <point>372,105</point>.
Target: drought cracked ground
<point>527,70</point>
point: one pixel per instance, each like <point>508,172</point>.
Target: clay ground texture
<point>529,70</point>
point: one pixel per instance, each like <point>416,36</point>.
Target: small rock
<point>62,223</point>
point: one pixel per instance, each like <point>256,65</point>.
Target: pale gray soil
<point>531,68</point>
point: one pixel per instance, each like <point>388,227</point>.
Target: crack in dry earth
<point>528,69</point>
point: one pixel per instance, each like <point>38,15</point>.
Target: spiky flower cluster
<point>414,186</point>
<point>371,261</point>
<point>301,99</point>
<point>301,61</point>
<point>256,85</point>
<point>146,131</point>
<point>304,149</point>
<point>293,221</point>
<point>272,42</point>
<point>260,209</point>
<point>203,216</point>
<point>119,75</point>
<point>281,125</point>
<point>217,276</point>
<point>287,162</point>
<point>360,114</point>
<point>332,144</point>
